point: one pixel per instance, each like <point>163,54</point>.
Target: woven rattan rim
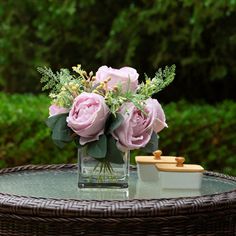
<point>70,208</point>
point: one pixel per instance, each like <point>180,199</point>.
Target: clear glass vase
<point>100,173</point>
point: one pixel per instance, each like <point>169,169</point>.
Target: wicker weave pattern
<point>206,215</point>
<point>133,208</point>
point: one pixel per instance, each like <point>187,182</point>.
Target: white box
<point>146,168</point>
<point>180,180</point>
<point>179,175</point>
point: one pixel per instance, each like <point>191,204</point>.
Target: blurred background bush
<point>198,36</point>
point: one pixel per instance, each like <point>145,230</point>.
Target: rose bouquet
<point>106,114</point>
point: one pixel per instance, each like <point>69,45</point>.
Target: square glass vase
<point>100,173</point>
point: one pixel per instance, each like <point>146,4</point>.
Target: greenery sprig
<point>162,79</point>
<point>115,99</point>
<point>64,87</point>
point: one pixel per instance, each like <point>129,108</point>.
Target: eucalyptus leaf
<point>76,139</point>
<point>52,120</point>
<point>152,144</point>
<point>59,143</point>
<point>98,148</point>
<point>61,133</point>
<point>115,122</point>
<point>114,155</point>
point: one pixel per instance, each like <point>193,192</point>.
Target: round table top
<point>62,184</point>
<point>35,200</point>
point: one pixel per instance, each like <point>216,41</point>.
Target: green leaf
<point>152,144</point>
<point>52,120</point>
<point>76,139</point>
<point>114,122</point>
<point>98,148</point>
<point>61,133</point>
<point>114,155</point>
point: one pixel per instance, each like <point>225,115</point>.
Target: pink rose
<point>56,110</point>
<point>126,76</point>
<point>158,114</point>
<point>88,116</point>
<point>136,130</point>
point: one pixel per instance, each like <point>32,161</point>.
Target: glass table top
<point>62,184</point>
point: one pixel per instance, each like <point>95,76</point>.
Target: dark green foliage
<point>98,148</point>
<point>61,133</point>
<point>198,36</point>
<point>202,133</point>
<point>114,155</point>
<point>50,33</point>
<point>24,136</point>
<point>114,122</point>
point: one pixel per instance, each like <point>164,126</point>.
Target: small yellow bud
<point>99,87</point>
<point>76,68</point>
<point>74,94</point>
<point>90,73</point>
<point>52,95</point>
<point>63,88</point>
<point>115,88</point>
<point>148,81</point>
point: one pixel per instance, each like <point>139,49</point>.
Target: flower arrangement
<point>108,112</point>
<point>110,105</point>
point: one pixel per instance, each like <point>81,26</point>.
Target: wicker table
<point>44,200</point>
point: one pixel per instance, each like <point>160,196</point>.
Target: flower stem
<point>105,170</point>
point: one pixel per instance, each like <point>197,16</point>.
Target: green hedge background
<point>202,133</point>
<point>198,36</point>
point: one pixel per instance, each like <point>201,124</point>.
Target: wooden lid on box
<point>156,158</point>
<point>179,166</point>
<point>152,160</point>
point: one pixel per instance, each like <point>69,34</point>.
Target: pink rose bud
<point>136,130</point>
<point>88,116</point>
<point>56,110</point>
<point>127,77</point>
